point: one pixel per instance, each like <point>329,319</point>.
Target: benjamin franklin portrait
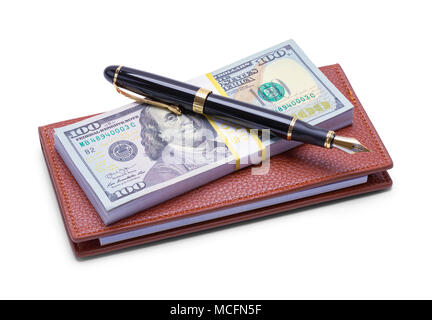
<point>178,144</point>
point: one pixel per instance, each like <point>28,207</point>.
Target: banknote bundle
<point>137,156</point>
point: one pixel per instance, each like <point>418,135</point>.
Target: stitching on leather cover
<point>273,191</point>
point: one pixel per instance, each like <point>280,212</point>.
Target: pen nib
<point>349,145</point>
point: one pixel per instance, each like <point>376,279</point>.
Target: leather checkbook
<point>300,177</point>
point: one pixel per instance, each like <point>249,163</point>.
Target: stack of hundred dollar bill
<point>137,156</point>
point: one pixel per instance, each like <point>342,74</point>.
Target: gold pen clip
<point>173,108</point>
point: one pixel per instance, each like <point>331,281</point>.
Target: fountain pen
<point>172,94</point>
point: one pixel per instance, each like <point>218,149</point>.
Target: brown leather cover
<point>301,168</point>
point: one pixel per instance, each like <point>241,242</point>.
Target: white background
<point>376,246</point>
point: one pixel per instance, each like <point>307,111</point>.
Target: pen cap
<point>153,86</point>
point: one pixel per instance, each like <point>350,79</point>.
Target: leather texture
<point>304,167</point>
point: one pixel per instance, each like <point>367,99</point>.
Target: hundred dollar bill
<point>282,79</point>
<point>137,156</point>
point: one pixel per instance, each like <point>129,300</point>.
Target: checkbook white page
<point>230,211</point>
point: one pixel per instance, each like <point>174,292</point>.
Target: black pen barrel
<point>245,113</point>
<point>153,86</point>
<point>194,99</point>
<point>257,117</point>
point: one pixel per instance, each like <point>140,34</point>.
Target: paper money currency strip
<point>138,156</point>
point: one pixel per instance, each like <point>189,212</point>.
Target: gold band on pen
<point>199,100</point>
<point>291,127</point>
<point>329,138</point>
<point>173,108</point>
<point>115,77</point>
